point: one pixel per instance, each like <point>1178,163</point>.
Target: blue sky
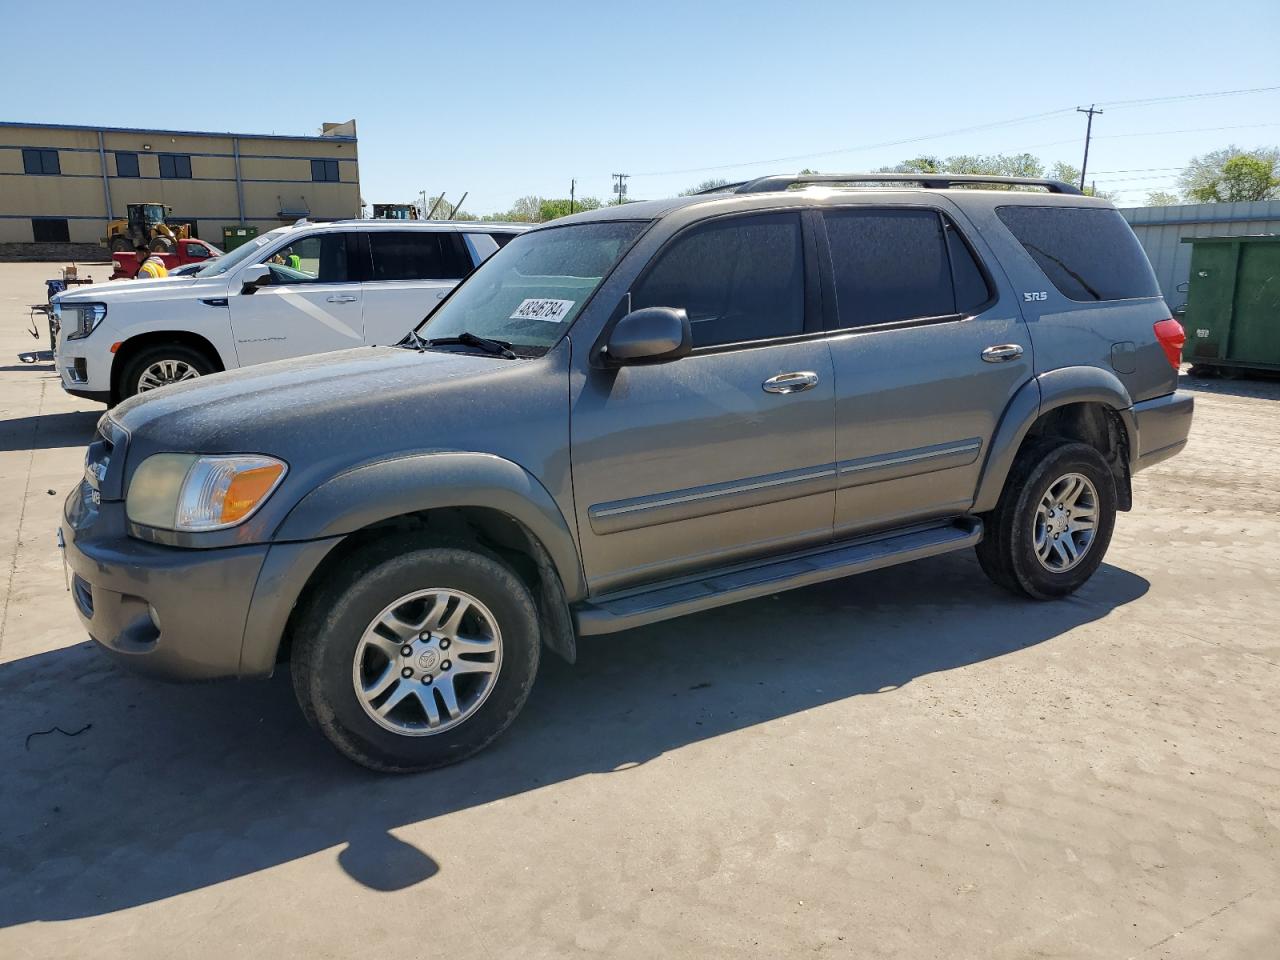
<point>508,99</point>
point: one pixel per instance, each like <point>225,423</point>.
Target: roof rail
<point>933,181</point>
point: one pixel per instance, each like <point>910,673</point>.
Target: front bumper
<point>1163,427</point>
<point>168,611</point>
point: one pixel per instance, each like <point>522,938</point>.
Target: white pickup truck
<point>297,290</point>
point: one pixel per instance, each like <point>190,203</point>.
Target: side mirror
<point>649,335</point>
<point>258,275</point>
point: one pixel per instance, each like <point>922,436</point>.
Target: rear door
<point>311,305</point>
<point>412,271</point>
<point>725,453</point>
<point>928,353</point>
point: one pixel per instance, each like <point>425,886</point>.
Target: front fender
<point>1038,396</point>
<point>380,491</point>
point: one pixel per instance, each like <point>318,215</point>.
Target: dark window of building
<point>127,165</point>
<point>175,166</point>
<point>1088,253</point>
<point>739,279</point>
<point>418,255</point>
<point>50,230</point>
<point>40,161</point>
<point>889,265</point>
<point>324,171</point>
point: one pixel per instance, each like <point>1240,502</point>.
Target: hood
<point>323,413</point>
<point>165,288</point>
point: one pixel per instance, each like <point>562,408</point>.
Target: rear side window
<point>1088,253</point>
<point>501,239</point>
<point>418,255</point>
<point>739,279</point>
<point>893,265</point>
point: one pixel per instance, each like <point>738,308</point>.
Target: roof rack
<point>933,181</point>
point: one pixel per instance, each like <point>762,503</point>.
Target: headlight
<point>191,493</point>
<point>87,317</point>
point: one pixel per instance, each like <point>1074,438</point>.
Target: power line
<point>1158,133</point>
<point>1030,118</point>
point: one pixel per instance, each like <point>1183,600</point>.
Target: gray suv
<point>626,416</point>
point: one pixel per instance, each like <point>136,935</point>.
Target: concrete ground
<point>907,764</point>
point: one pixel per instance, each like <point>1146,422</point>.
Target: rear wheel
<point>1052,525</point>
<point>160,366</point>
<point>415,657</point>
<point>120,243</point>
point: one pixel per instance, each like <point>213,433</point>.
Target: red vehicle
<point>184,251</point>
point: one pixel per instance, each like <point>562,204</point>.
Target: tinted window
<point>126,165</point>
<point>49,230</point>
<point>175,166</point>
<point>889,265</point>
<point>501,239</point>
<point>319,258</point>
<point>40,161</point>
<point>418,255</point>
<point>739,279</point>
<point>972,290</point>
<point>1088,253</point>
<point>324,171</point>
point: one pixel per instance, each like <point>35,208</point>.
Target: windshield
<point>239,255</point>
<point>529,291</point>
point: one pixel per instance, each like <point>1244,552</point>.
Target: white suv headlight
<point>192,493</point>
<point>87,316</point>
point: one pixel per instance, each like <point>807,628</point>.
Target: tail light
<point>1172,337</point>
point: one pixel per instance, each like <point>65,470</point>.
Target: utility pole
<point>1088,133</point>
<point>573,188</point>
<point>621,188</point>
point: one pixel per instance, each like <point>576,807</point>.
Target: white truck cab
<point>297,290</point>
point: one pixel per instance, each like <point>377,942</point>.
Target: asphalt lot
<point>907,764</point>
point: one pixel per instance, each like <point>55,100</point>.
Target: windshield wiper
<point>499,348</point>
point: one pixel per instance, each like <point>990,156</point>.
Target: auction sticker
<point>553,311</point>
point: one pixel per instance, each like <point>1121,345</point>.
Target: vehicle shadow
<point>174,788</point>
<point>50,430</point>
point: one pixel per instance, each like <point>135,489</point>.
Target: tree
<point>1231,174</point>
<point>552,209</point>
<point>1162,198</point>
<point>705,185</point>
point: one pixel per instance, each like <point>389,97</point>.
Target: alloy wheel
<point>427,662</point>
<point>1065,522</point>
<point>164,372</point>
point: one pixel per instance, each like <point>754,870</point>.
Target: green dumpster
<point>1233,303</point>
<point>233,237</point>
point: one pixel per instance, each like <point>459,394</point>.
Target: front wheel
<point>415,657</point>
<point>1051,527</point>
<point>161,366</point>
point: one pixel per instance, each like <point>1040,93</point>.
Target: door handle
<point>342,299</point>
<point>1002,352</point>
<point>791,382</point>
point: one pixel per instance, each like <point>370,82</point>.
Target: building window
<point>175,166</point>
<point>324,171</point>
<point>40,161</point>
<point>50,230</point>
<point>127,165</point>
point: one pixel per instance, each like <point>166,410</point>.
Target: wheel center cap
<point>428,659</point>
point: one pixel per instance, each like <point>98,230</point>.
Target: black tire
<point>161,245</point>
<point>330,626</point>
<point>120,243</point>
<point>1007,552</point>
<point>179,353</point>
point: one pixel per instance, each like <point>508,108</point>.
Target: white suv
<point>302,289</point>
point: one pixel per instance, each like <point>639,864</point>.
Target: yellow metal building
<point>62,184</point>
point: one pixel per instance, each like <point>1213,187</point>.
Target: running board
<point>633,608</point>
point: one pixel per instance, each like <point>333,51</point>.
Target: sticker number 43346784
<point>553,311</point>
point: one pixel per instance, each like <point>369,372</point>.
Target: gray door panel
<point>915,410</point>
<point>690,464</point>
